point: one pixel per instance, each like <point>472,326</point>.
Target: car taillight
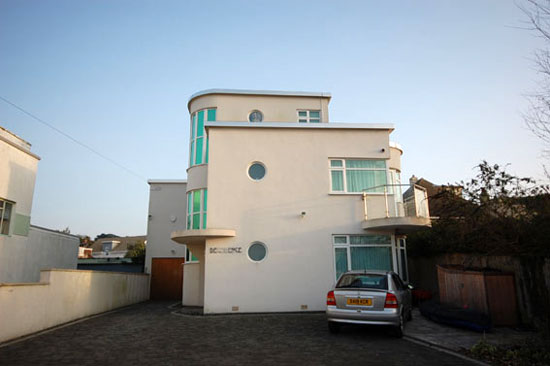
<point>391,301</point>
<point>330,298</point>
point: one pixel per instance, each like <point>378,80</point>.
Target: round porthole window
<point>257,251</point>
<point>255,116</point>
<point>256,171</point>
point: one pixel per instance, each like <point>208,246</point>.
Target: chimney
<point>413,179</point>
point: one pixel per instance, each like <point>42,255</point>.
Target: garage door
<point>166,278</point>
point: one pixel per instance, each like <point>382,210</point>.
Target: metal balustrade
<point>400,200</point>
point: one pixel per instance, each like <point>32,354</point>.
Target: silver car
<point>369,297</point>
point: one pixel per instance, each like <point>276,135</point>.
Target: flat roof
<point>282,93</point>
<point>12,139</point>
<point>335,126</point>
<point>166,181</point>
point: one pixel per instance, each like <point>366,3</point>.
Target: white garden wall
<point>63,296</point>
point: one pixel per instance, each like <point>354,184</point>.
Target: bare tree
<point>537,117</point>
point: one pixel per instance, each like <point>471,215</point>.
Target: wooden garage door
<point>166,278</point>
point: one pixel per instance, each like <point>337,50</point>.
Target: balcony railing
<point>400,200</point>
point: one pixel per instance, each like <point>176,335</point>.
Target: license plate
<point>360,302</point>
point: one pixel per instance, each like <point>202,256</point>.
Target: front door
<point>167,278</point>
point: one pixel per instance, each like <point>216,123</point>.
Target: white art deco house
<point>279,201</point>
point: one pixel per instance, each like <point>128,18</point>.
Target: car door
<point>404,293</point>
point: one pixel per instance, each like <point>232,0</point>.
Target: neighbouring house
<point>26,249</point>
<point>164,258</point>
<point>84,252</point>
<point>436,194</point>
<point>115,247</point>
<point>110,265</point>
<point>279,202</point>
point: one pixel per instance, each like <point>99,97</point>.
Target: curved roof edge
<point>283,93</point>
<point>166,181</point>
<point>396,145</point>
<point>294,125</point>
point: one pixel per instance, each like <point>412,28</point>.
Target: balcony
<point>199,236</point>
<point>397,208</point>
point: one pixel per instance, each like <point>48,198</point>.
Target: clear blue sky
<point>451,76</point>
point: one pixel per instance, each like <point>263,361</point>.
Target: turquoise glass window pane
<point>336,163</point>
<point>189,205</point>
<point>196,201</point>
<point>196,221</point>
<point>302,114</point>
<point>192,153</point>
<point>207,148</point>
<point>211,115</point>
<point>205,200</point>
<point>200,124</point>
<point>193,125</point>
<point>341,258</point>
<point>378,258</point>
<point>366,164</point>
<point>359,180</point>
<point>193,258</point>
<point>370,239</point>
<point>204,220</point>
<point>198,153</point>
<point>302,120</point>
<point>256,171</point>
<point>340,240</point>
<point>314,120</point>
<point>315,114</point>
<point>337,180</point>
<point>257,252</point>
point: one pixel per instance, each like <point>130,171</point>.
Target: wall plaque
<point>231,250</point>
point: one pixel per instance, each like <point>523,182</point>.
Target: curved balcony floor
<point>199,236</point>
<point>398,225</point>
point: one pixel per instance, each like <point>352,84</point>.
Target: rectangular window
<point>309,116</point>
<point>198,147</point>
<point>196,209</point>
<point>357,175</point>
<point>6,209</point>
<point>362,252</point>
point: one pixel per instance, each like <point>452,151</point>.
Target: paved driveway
<point>149,333</point>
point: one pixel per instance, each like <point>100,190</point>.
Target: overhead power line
<point>73,139</point>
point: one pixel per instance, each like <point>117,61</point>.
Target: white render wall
<point>167,213</point>
<point>299,267</point>
<point>22,258</point>
<point>63,296</point>
<point>17,172</point>
<point>193,285</point>
<point>237,107</point>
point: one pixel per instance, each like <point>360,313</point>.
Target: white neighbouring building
<point>279,202</point>
<point>26,249</point>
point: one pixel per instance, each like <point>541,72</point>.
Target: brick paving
<point>150,333</point>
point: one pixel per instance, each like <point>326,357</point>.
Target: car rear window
<point>374,281</point>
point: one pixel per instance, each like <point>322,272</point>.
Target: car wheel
<point>398,330</point>
<point>333,327</point>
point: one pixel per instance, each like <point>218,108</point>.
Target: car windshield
<point>374,281</point>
